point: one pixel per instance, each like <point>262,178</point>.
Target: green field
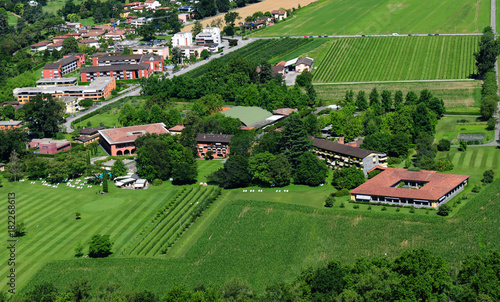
<point>268,242</point>
<point>397,59</point>
<point>338,17</point>
<point>272,50</point>
<point>454,94</point>
<point>449,129</point>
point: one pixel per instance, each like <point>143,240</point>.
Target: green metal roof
<point>248,115</point>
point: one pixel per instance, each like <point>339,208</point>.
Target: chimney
<point>341,140</point>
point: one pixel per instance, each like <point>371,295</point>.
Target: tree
<point>43,114</point>
<point>204,54</point>
<point>176,55</point>
<point>437,105</point>
<point>127,115</point>
<point>56,55</point>
<point>20,229</point>
<point>444,164</point>
<point>100,246</point>
<point>118,168</point>
<point>79,249</point>
<point>462,145</point>
<point>444,210</point>
<point>374,97</point>
<point>488,52</point>
<point>294,140</point>
<point>210,104</point>
<point>266,72</point>
<point>14,167</point>
<point>310,171</point>
<point>311,124</point>
<point>231,17</point>
<point>228,30</point>
<point>386,100</point>
<point>260,168</point>
<point>105,182</point>
<point>80,290</point>
<point>488,176</point>
<point>398,98</point>
<point>361,102</point>
<point>411,98</point>
<point>444,145</point>
<point>184,172</point>
<point>280,171</point>
<point>492,122</point>
<point>489,106</point>
<point>222,5</point>
<point>156,114</point>
<point>348,178</point>
<point>423,120</point>
<point>234,174</point>
<point>197,28</point>
<point>147,32</point>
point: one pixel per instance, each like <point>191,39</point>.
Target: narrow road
<point>133,90</point>
<point>496,142</point>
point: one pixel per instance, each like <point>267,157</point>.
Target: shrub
<point>444,210</point>
<point>412,209</point>
<point>329,201</point>
<point>394,161</point>
<point>374,173</point>
<point>462,146</point>
<point>476,189</point>
<point>384,209</point>
<point>488,177</point>
<point>444,145</point>
<point>343,192</point>
<point>157,182</point>
<point>444,164</point>
<point>342,205</point>
<point>397,209</point>
<point>355,206</point>
<point>369,208</point>
<point>414,169</point>
<point>491,124</point>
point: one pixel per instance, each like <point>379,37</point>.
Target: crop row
<point>163,231</point>
<point>398,58</point>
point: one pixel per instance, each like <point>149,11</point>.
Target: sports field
<point>340,17</point>
<point>449,128</point>
<point>268,242</point>
<point>454,94</point>
<point>397,59</point>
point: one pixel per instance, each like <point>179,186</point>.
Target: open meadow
<point>337,17</point>
<point>454,94</point>
<point>397,59</point>
<point>268,242</point>
<point>450,127</point>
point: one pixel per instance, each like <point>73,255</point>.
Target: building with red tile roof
<point>50,146</point>
<point>121,141</point>
<point>177,129</point>
<point>217,143</point>
<point>410,188</point>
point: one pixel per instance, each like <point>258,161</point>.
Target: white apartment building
<point>209,36</point>
<point>182,39</point>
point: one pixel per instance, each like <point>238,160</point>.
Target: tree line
<point>414,275</point>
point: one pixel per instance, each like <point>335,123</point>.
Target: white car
<point>395,34</point>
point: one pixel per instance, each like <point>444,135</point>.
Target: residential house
<point>176,129</point>
<point>53,46</point>
<point>116,34</point>
<point>121,141</point>
<point>217,143</point>
<point>152,4</point>
<point>73,25</point>
<point>40,46</point>
<point>79,55</point>
<point>193,50</point>
<point>210,36</point>
<point>401,187</point>
<point>9,125</point>
<point>182,39</point>
<point>185,9</point>
<point>50,146</point>
<point>162,51</point>
<point>303,64</point>
<point>89,43</point>
<point>279,14</point>
<point>59,39</point>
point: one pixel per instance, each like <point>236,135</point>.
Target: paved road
<point>133,90</point>
<point>496,142</point>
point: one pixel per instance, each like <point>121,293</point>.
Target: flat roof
<point>213,138</point>
<point>61,62</point>
<point>130,134</point>
<point>57,80</point>
<point>139,66</point>
<point>248,115</point>
<point>10,123</point>
<point>436,185</point>
<point>96,85</point>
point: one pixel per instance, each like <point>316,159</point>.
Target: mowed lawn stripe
<point>473,158</point>
<point>467,159</point>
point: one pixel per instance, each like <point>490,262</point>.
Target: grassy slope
<point>397,58</point>
<point>336,17</point>
<point>266,242</point>
<point>454,94</point>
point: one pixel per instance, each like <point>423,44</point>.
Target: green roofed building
<point>255,117</point>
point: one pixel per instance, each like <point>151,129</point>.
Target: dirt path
<point>264,6</point>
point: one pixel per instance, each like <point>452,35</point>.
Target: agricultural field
<point>337,17</point>
<point>454,94</point>
<point>272,50</point>
<point>397,59</point>
<point>451,127</point>
<point>266,242</point>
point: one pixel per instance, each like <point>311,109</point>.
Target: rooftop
<point>213,138</point>
<point>436,185</point>
<point>130,134</point>
<point>341,149</point>
<point>61,62</point>
<point>306,61</point>
<point>139,66</point>
<point>97,84</point>
<point>57,80</point>
<point>248,115</point>
<point>285,111</point>
<point>10,123</point>
<point>91,130</point>
<point>49,141</point>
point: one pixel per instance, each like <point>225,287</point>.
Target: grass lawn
<point>11,19</point>
<point>449,129</point>
<point>454,94</point>
<point>266,242</point>
<point>109,119</point>
<point>336,17</point>
<point>397,59</point>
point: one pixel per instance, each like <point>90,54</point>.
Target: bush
<point>157,182</point>
<point>374,173</point>
<point>412,209</point>
<point>488,177</point>
<point>394,161</point>
<point>342,205</point>
<point>348,178</point>
<point>444,145</point>
<point>444,210</point>
<point>329,201</point>
<point>491,124</point>
<point>369,208</point>
<point>343,192</point>
<point>355,206</point>
<point>398,209</point>
<point>462,146</point>
<point>384,209</point>
<point>476,189</point>
<point>444,164</point>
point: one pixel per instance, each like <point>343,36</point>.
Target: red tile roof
<point>285,111</point>
<point>130,134</point>
<point>177,128</point>
<point>437,185</point>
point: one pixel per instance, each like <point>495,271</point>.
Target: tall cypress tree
<point>294,140</point>
<point>105,181</point>
<point>488,52</point>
